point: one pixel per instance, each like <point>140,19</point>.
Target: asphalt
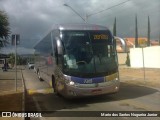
<point>12,97</point>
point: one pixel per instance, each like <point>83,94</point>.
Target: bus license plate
<point>96,91</point>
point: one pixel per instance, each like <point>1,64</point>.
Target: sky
<point>32,19</point>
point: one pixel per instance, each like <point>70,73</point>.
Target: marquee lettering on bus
<point>100,37</point>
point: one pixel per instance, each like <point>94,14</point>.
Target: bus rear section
<point>85,60</point>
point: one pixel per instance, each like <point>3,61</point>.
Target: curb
<point>23,96</point>
<point>40,91</point>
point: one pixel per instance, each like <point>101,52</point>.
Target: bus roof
<point>74,26</point>
<point>82,26</point>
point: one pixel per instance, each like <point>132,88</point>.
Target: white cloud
<point>32,18</point>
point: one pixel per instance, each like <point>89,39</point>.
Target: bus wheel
<point>39,77</point>
<point>54,85</point>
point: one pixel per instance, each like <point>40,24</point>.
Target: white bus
<point>78,60</point>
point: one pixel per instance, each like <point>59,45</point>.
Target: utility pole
<point>15,42</point>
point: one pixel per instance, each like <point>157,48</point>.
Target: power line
<point>96,12</point>
<point>108,8</point>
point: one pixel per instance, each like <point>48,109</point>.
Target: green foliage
<point>11,59</point>
<point>115,28</point>
<point>4,28</point>
<point>136,32</point>
<point>20,60</point>
<point>31,58</point>
<point>149,31</point>
<point>128,60</point>
<point>159,40</point>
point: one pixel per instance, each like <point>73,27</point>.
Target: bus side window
<point>58,57</point>
<point>56,54</point>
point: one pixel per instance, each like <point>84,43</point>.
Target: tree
<point>159,39</point>
<point>4,28</point>
<point>115,28</point>
<point>11,59</point>
<point>128,60</point>
<point>148,42</point>
<point>136,33</point>
<point>20,60</point>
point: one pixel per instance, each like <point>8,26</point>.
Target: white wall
<point>151,57</point>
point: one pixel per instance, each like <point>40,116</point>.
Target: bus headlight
<point>116,79</point>
<point>112,77</point>
<point>71,83</point>
<point>68,80</point>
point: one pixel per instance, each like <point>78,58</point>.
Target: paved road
<point>40,97</point>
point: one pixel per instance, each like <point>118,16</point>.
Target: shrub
<point>128,60</point>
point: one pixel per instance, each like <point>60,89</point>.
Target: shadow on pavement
<point>11,102</point>
<point>52,102</point>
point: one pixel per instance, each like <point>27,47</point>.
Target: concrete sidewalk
<point>10,99</point>
<point>7,81</point>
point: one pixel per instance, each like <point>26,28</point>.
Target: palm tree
<point>136,33</point>
<point>4,28</point>
<point>149,31</point>
<point>159,39</point>
<point>115,28</point>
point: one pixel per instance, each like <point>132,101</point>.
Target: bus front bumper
<point>83,90</point>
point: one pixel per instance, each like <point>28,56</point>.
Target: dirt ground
<point>148,77</point>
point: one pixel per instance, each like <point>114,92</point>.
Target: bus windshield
<point>88,53</point>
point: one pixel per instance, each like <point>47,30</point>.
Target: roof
<point>2,56</point>
<point>132,40</point>
<point>81,26</point>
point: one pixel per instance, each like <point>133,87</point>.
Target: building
<point>130,43</point>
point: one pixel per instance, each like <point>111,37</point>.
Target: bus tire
<point>39,77</point>
<point>54,85</point>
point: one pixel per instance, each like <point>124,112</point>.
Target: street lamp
<point>74,11</point>
<point>88,15</point>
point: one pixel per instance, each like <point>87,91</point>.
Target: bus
<point>78,60</point>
